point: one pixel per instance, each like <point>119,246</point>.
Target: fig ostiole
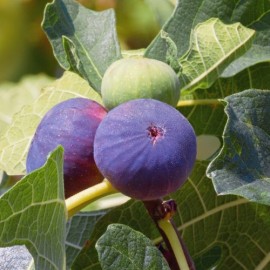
<point>72,124</point>
<point>145,148</point>
<point>138,77</point>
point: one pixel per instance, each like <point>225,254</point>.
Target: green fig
<point>137,77</point>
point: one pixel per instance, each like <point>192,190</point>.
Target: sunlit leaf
<point>15,142</point>
<point>213,46</point>
<point>33,213</point>
<point>15,95</point>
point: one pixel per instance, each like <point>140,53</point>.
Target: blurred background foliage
<point>24,48</point>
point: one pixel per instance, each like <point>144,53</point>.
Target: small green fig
<point>137,77</point>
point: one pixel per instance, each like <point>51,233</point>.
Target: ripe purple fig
<point>73,125</point>
<point>145,148</point>
<point>138,77</point>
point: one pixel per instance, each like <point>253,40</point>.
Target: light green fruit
<point>138,77</point>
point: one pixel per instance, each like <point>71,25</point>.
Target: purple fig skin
<point>73,125</point>
<point>145,148</point>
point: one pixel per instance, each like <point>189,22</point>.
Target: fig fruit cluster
<point>145,148</point>
<point>73,125</point>
<point>138,77</point>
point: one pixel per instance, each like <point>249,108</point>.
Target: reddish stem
<point>158,210</point>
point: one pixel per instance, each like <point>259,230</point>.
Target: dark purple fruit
<point>73,125</point>
<point>145,148</point>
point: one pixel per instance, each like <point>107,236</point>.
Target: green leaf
<point>15,142</point>
<point>187,14</point>
<point>242,167</point>
<point>131,213</point>
<point>121,247</point>
<point>231,231</point>
<point>171,53</point>
<point>78,229</point>
<point>15,95</point>
<point>253,77</point>
<point>256,54</point>
<point>258,20</point>
<point>90,38</point>
<point>213,46</point>
<point>223,231</point>
<point>33,214</point>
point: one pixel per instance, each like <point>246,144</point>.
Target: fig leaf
<point>93,36</point>
<point>128,249</point>
<point>242,167</point>
<point>36,218</point>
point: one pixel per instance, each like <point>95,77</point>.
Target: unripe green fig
<point>138,77</point>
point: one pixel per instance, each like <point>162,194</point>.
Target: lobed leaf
<point>89,37</point>
<point>242,167</point>
<point>33,214</point>
<point>15,142</point>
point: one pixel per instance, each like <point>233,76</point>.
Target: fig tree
<point>73,125</point>
<point>138,77</point>
<point>145,148</point>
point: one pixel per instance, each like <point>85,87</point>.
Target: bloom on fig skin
<point>72,124</point>
<point>145,148</point>
<point>137,77</point>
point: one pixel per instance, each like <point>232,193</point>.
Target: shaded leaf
<point>36,218</point>
<point>121,247</point>
<point>256,54</point>
<point>253,77</point>
<point>78,229</point>
<point>255,15</point>
<point>90,38</point>
<point>243,165</point>
<point>132,214</point>
<point>15,142</point>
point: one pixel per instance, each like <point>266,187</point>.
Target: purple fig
<point>145,148</point>
<point>73,125</point>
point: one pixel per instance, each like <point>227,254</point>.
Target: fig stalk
<point>161,213</point>
<point>78,201</point>
<point>166,226</point>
